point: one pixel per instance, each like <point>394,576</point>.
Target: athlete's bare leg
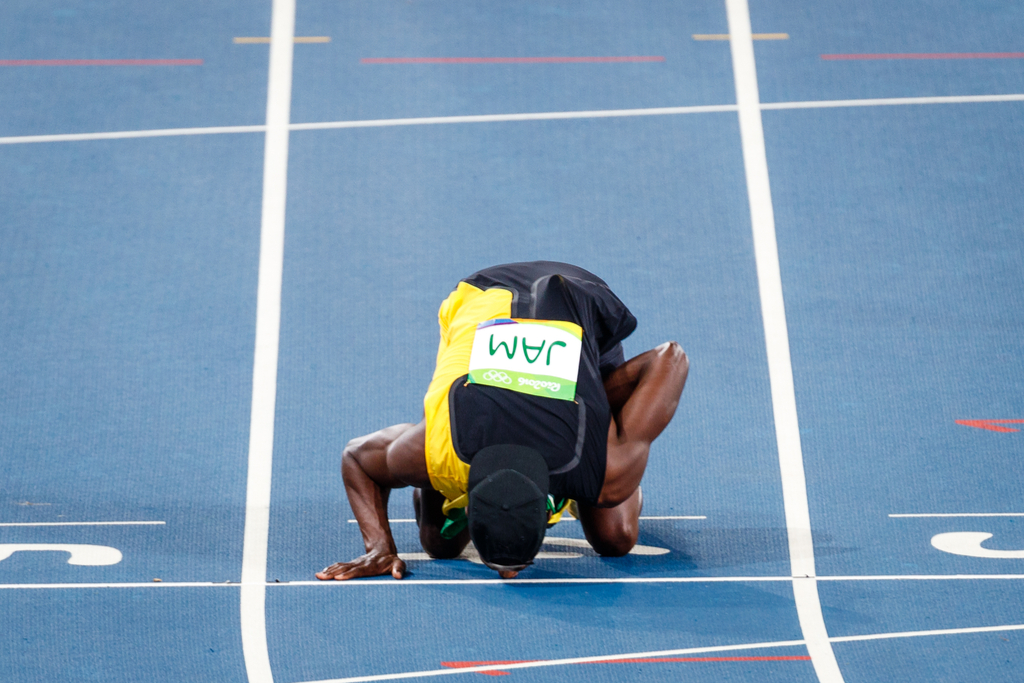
<point>613,532</point>
<point>430,519</point>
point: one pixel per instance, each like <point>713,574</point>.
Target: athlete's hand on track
<point>370,564</point>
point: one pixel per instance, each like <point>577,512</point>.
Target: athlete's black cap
<point>508,491</point>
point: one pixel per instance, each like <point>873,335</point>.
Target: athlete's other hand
<point>370,564</point>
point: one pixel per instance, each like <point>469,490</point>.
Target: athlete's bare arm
<point>643,394</point>
<point>371,466</point>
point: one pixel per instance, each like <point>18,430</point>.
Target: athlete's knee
<point>674,350</point>
<point>430,519</point>
<point>615,540</point>
<point>442,548</point>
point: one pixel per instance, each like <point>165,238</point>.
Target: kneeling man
<point>532,406</point>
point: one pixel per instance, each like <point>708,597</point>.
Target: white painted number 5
<point>969,543</point>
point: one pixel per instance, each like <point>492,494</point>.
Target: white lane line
<point>390,521</point>
<point>562,662</point>
<point>598,659</point>
<point>937,632</point>
<point>569,518</point>
<point>123,134</point>
<point>495,118</point>
<point>268,322</point>
<point>499,118</point>
<point>963,514</point>
<point>780,371</point>
<point>78,523</point>
<point>137,584</point>
<point>500,582</point>
<point>924,577</point>
<point>565,519</point>
<point>378,123</point>
<point>648,580</point>
<point>892,101</point>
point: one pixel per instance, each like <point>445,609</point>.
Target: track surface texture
<point>227,228</point>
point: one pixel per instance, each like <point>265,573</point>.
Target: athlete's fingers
<point>357,569</point>
<point>326,575</point>
<point>332,572</point>
<point>398,569</point>
<point>350,573</point>
<point>328,572</point>
<point>367,565</point>
<point>361,568</point>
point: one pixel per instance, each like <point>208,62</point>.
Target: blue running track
<point>132,218</point>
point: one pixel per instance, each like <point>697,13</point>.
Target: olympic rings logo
<point>497,376</point>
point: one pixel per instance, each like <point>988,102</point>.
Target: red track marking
<point>991,425</point>
<point>466,665</point>
<point>101,62</point>
<point>506,60</point>
<point>932,55</point>
<point>639,660</point>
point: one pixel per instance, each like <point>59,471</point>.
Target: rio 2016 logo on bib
<point>537,357</point>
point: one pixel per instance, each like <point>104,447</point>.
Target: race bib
<point>538,357</point>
